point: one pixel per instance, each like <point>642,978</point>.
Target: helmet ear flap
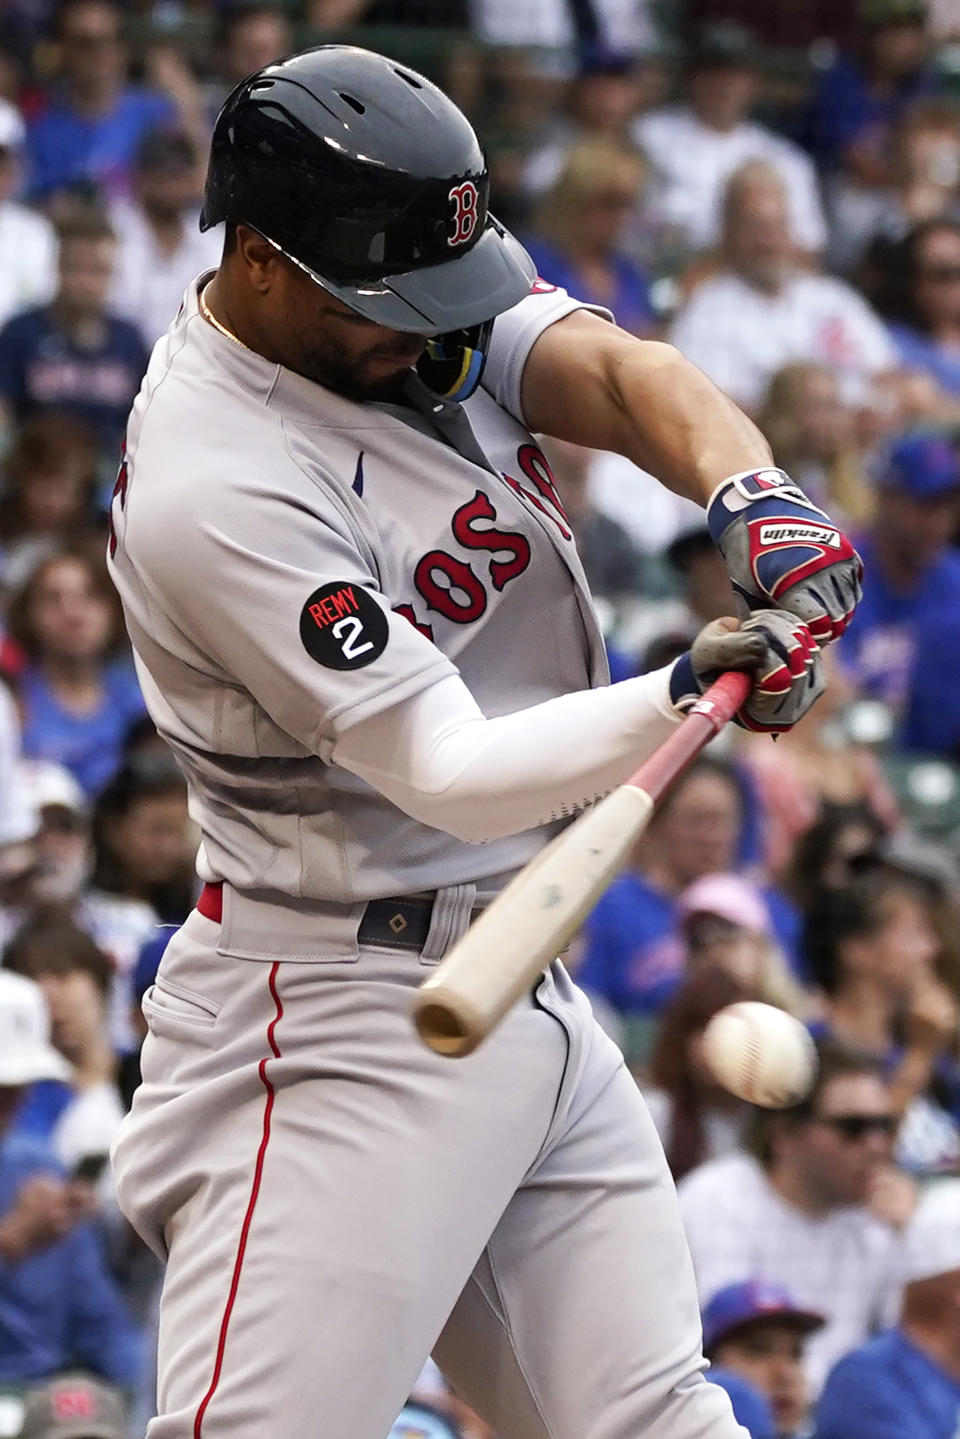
<point>452,364</point>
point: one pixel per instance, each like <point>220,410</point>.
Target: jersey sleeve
<point>292,610</point>
<point>515,333</point>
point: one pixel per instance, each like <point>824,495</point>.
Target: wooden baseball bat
<point>530,922</point>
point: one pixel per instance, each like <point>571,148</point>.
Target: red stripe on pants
<point>251,1204</point>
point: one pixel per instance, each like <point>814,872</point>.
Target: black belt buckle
<point>396,923</point>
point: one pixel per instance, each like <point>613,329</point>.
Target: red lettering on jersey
<point>466,212</point>
<point>472,537</point>
<point>409,613</point>
<point>333,607</point>
<point>444,598</point>
<point>119,490</point>
<point>533,463</point>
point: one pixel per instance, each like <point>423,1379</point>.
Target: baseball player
<point>360,621</point>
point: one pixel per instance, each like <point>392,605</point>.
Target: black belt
<point>399,923</point>
<point>391,923</point>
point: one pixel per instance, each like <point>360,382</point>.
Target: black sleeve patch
<point>342,627</point>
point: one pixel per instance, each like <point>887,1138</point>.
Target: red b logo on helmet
<point>466,203</point>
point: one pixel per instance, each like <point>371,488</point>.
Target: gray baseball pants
<point>334,1202</point>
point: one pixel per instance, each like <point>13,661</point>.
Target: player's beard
<point>329,363</point>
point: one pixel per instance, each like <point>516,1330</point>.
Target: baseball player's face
<point>329,343</point>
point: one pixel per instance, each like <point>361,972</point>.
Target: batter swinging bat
<point>526,927</point>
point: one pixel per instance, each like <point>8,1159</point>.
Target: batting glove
<point>783,552</point>
<point>775,647</point>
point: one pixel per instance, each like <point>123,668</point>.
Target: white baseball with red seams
<point>761,1054</point>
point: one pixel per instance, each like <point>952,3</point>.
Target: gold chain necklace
<point>208,314</point>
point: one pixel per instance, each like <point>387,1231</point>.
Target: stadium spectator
<point>633,954</point>
<point>826,854</point>
<point>76,701</point>
<point>695,1117</point>
<point>160,246</point>
<point>725,924</point>
<point>813,436</point>
<point>925,186</point>
<point>872,948</point>
<point>576,233</point>
<point>652,515</point>
<point>921,301</point>
<point>697,145</point>
<point>657,632</point>
<point>859,98</point>
<point>633,950</point>
<point>74,354</point>
<point>119,925</point>
<point>706,590</point>
<point>757,1332</point>
<point>60,1306</point>
<point>762,311</point>
<point>912,571</point>
<point>28,242</point>
<point>144,842</point>
<point>253,35</point>
<point>803,1209</point>
<point>555,25</point>
<point>74,1406</point>
<point>49,492</point>
<point>88,134</point>
<point>907,1381</point>
<point>77,979</point>
<point>603,98</point>
<point>819,765</point>
<point>62,841</point>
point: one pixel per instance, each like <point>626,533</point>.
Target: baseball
<point>760,1054</point>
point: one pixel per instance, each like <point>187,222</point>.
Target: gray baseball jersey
<point>332,1199</point>
<point>291,562</point>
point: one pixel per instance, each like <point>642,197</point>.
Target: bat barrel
<point>443,1028</point>
<point>523,931</point>
<point>502,954</point>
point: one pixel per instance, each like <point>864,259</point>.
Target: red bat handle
<point>705,719</point>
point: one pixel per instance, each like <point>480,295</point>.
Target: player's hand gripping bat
<point>526,927</point>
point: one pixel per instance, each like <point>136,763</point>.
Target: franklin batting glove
<point>783,552</point>
<point>773,646</point>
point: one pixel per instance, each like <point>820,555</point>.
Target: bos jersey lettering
<point>291,563</point>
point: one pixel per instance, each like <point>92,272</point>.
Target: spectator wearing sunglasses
<point>803,1209</point>
<point>872,948</point>
<point>907,1381</point>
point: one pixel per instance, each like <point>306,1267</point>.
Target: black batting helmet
<point>370,179</point>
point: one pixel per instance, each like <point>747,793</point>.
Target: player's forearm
<point>442,762</point>
<point>679,425</point>
<point>591,383</point>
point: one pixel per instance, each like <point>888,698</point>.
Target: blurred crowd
<point>773,186</point>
